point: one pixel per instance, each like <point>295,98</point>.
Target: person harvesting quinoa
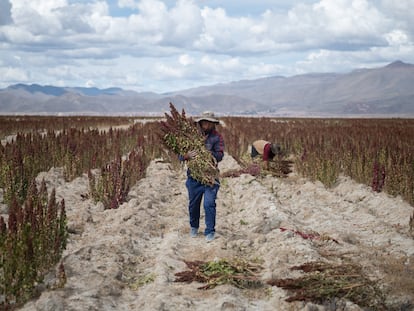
<point>266,149</point>
<point>214,143</point>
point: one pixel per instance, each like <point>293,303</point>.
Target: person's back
<point>259,146</point>
<point>266,149</point>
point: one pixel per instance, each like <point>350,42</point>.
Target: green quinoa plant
<point>238,272</point>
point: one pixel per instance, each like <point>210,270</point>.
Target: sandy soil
<point>126,259</point>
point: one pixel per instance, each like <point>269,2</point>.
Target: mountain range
<point>382,91</point>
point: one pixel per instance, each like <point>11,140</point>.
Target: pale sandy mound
<point>126,259</point>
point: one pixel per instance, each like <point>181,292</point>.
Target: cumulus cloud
<point>397,38</point>
<point>127,4</point>
<point>164,71</point>
<point>186,60</point>
<point>184,24</point>
<point>335,25</point>
<point>402,14</point>
<point>14,74</point>
<point>332,24</point>
<point>186,40</point>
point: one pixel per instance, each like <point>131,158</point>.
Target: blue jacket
<point>215,144</point>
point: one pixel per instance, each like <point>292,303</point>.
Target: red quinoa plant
<point>31,243</point>
<point>181,135</point>
<point>112,184</point>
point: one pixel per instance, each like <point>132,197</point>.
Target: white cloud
<point>90,83</point>
<point>37,16</point>
<point>397,38</point>
<point>221,32</point>
<point>14,74</point>
<point>156,24</point>
<point>213,69</point>
<point>402,14</point>
<point>335,25</point>
<point>262,69</point>
<point>184,24</point>
<point>186,60</point>
<point>344,18</point>
<point>16,35</point>
<point>43,8</point>
<point>213,64</point>
<point>185,42</point>
<point>62,72</point>
<point>127,4</point>
<point>164,71</point>
<point>402,8</point>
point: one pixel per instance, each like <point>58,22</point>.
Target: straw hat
<point>208,116</point>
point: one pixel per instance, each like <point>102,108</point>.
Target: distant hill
<point>379,91</point>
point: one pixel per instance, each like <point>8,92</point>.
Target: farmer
<point>215,144</point>
<point>266,149</point>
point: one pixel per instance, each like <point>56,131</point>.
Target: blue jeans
<point>196,190</point>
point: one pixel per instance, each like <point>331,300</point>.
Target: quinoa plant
<point>31,243</point>
<point>112,184</point>
<point>181,135</point>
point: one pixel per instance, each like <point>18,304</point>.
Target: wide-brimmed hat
<point>208,116</point>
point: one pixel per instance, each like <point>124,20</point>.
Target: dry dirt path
<point>126,259</point>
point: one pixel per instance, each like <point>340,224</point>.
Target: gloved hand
<point>190,155</point>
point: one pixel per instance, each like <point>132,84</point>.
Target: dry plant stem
<point>323,282</point>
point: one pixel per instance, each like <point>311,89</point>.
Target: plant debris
<point>311,236</point>
<point>181,135</point>
<point>237,272</point>
<point>251,169</point>
<point>278,167</point>
<point>325,282</point>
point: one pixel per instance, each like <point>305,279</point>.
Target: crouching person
<point>266,150</point>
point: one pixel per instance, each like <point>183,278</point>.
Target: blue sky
<point>162,46</point>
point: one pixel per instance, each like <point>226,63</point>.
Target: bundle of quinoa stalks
<point>181,135</point>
